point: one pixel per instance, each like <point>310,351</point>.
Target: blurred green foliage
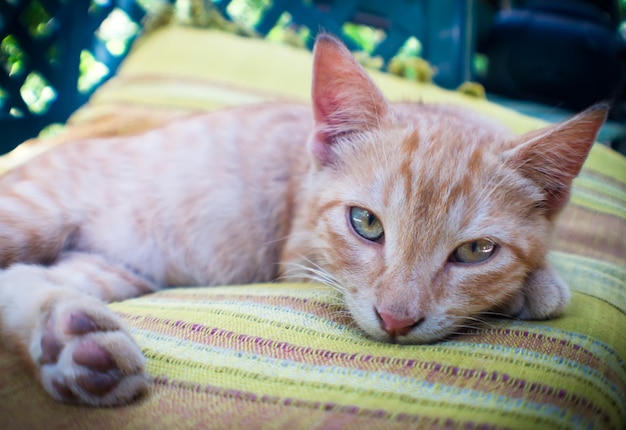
<point>118,30</point>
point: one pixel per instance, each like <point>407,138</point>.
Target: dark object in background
<point>565,53</point>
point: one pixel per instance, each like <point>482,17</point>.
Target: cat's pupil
<point>475,251</point>
<point>481,246</point>
<point>366,224</point>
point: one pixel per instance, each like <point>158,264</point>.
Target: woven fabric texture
<point>288,356</point>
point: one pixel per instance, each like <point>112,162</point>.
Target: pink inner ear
<point>321,148</point>
<point>327,57</point>
<point>344,97</point>
<point>553,157</point>
<point>331,63</point>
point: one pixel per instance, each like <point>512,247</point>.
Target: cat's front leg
<point>84,354</point>
<point>77,347</point>
<point>543,295</point>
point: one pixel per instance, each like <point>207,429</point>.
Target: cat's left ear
<point>552,157</point>
<point>345,99</point>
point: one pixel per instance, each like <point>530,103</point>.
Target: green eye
<point>473,252</point>
<point>366,224</point>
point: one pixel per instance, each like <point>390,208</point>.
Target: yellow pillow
<point>284,355</point>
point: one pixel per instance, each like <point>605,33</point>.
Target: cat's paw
<point>545,295</point>
<point>84,355</point>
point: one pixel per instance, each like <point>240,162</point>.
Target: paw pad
<point>87,357</point>
<point>79,323</point>
<point>91,355</point>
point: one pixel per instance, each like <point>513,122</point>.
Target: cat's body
<point>168,218</point>
<point>425,217</point>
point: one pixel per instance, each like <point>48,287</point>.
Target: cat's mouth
<point>416,336</point>
<point>385,327</point>
<point>428,329</point>
<point>397,327</point>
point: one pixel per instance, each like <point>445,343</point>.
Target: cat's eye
<point>473,252</point>
<point>366,224</point>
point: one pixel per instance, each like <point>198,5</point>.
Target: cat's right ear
<point>345,99</point>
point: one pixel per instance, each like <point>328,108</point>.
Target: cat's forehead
<point>446,126</point>
<point>437,143</point>
<point>432,164</point>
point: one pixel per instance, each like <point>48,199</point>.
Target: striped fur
<point>234,197</point>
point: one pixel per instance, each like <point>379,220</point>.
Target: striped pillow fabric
<point>289,356</point>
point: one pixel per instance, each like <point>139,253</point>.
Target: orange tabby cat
<point>423,216</point>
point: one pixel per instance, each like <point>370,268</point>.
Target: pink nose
<point>397,327</point>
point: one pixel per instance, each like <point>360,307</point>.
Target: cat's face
<point>422,222</point>
<point>426,217</point>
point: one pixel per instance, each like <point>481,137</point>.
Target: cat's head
<point>427,216</point>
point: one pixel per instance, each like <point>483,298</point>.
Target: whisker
<point>312,272</point>
<point>481,321</point>
<point>497,315</point>
<point>283,238</point>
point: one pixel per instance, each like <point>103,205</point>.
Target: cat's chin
<point>426,333</point>
<point>414,338</point>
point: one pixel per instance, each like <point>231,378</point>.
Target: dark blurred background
<point>545,58</point>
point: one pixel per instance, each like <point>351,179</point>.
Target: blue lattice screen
<point>53,54</point>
